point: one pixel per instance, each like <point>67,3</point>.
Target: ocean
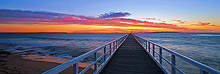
<point>61,45</point>
<point>202,47</point>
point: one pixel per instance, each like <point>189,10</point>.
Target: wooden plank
<point>131,58</point>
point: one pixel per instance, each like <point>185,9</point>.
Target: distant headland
<point>33,32</point>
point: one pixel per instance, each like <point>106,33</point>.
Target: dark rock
<point>4,54</point>
<point>20,48</point>
<point>30,51</point>
<point>53,54</point>
<point>2,49</point>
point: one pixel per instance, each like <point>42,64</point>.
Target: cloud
<point>179,21</point>
<point>200,23</point>
<point>204,30</point>
<point>29,14</point>
<point>35,15</point>
<point>49,18</point>
<point>203,24</point>
<point>114,15</point>
<point>152,19</point>
<point>10,17</point>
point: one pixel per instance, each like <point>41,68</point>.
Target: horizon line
<point>108,32</point>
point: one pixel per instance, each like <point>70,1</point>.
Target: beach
<point>10,63</point>
<point>39,52</point>
<point>60,48</point>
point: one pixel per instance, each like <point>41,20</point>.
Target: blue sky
<point>180,15</point>
<point>164,9</point>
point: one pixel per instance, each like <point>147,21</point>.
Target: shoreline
<point>46,58</point>
<point>10,63</point>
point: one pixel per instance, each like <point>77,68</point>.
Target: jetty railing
<point>108,51</point>
<point>150,47</point>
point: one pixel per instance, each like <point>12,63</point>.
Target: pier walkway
<point>131,58</point>
<point>132,54</point>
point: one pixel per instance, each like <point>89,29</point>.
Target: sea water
<point>64,45</point>
<point>202,47</point>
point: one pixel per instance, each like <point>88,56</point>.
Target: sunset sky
<point>109,16</point>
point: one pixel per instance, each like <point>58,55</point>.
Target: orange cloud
<point>28,21</point>
<point>179,21</point>
<point>202,24</point>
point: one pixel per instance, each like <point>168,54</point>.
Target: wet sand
<point>10,63</point>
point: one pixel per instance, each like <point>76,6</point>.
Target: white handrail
<point>74,62</point>
<point>203,68</point>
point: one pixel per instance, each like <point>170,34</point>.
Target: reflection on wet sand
<point>46,58</point>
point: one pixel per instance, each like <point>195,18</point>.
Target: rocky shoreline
<point>11,63</point>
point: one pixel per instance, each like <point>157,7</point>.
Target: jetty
<point>131,54</point>
<point>131,58</point>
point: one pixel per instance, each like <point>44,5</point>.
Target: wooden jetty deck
<point>131,58</point>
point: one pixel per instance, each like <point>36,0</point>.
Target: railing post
<point>110,48</point>
<point>203,72</point>
<point>95,58</point>
<point>113,46</point>
<point>75,68</point>
<point>153,50</point>
<point>143,44</point>
<point>146,44</point>
<point>160,56</point>
<point>173,64</point>
<point>116,42</point>
<point>104,53</point>
<point>149,46</point>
